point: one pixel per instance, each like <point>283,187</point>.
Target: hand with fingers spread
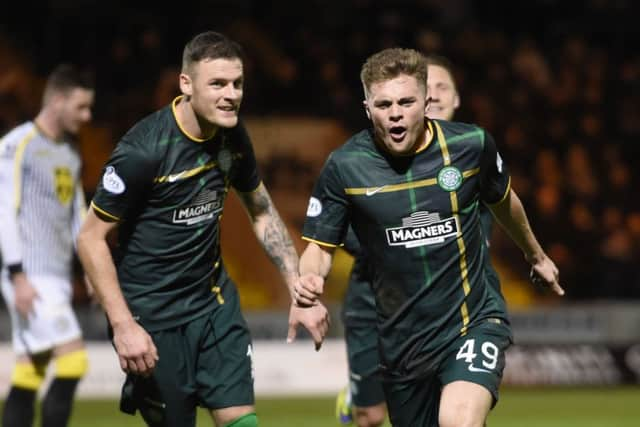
<point>308,289</point>
<point>137,352</point>
<point>315,319</point>
<point>24,294</point>
<point>545,273</point>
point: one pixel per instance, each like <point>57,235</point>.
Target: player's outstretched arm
<point>272,234</point>
<point>512,217</point>
<point>275,239</point>
<point>136,351</point>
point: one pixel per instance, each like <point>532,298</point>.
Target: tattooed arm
<point>272,234</point>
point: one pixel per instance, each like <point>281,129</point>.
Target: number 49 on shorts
<point>489,353</point>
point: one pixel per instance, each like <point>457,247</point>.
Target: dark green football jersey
<point>359,306</point>
<point>418,219</point>
<point>167,190</point>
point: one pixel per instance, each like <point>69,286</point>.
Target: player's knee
<point>28,375</point>
<point>72,365</point>
<point>248,420</point>
<point>460,419</point>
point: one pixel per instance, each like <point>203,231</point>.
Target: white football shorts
<point>52,321</point>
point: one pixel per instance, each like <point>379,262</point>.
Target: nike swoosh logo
<point>175,177</point>
<point>474,369</point>
<point>372,191</point>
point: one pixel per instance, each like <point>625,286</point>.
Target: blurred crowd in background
<point>556,82</point>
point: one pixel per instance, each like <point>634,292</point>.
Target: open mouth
<point>397,133</point>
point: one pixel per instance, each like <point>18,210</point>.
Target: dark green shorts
<point>362,353</point>
<point>206,362</point>
<point>477,357</point>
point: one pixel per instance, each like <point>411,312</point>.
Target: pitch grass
<point>551,407</point>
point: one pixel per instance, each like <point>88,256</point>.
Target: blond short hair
<point>390,63</point>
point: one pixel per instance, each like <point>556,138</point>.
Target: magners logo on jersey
<point>204,207</point>
<point>422,228</point>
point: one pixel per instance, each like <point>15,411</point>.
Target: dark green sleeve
<point>126,180</point>
<point>494,176</point>
<point>328,212</point>
<point>246,177</point>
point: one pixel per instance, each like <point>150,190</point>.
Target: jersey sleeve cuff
<point>104,214</point>
<point>319,242</point>
<point>253,190</point>
<point>504,196</point>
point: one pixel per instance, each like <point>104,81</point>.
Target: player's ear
<point>366,109</point>
<point>456,101</point>
<point>186,86</point>
<point>57,100</point>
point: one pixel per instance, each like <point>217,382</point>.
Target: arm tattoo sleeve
<point>271,231</point>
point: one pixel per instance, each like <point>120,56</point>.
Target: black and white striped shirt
<point>41,202</point>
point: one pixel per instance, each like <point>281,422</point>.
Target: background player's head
<point>212,78</point>
<point>441,89</point>
<point>394,82</point>
<point>68,98</point>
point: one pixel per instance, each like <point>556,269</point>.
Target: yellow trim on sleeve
<point>504,196</point>
<point>103,212</point>
<point>318,242</point>
<point>17,171</point>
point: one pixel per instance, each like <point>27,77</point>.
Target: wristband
<point>15,269</point>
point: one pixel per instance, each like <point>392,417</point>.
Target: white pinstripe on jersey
<point>41,201</point>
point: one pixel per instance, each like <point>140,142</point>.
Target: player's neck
<point>194,126</point>
<point>423,142</point>
<point>47,124</point>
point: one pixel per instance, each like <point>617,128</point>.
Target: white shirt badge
<point>499,162</point>
<point>315,207</point>
<point>112,182</point>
